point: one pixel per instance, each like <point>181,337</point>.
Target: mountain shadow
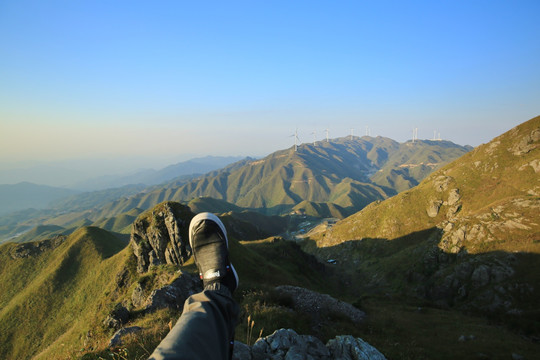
<point>502,285</point>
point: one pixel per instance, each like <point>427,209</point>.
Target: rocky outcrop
<point>312,302</point>
<point>288,345</point>
<point>35,248</point>
<point>117,317</point>
<point>526,144</point>
<point>433,208</point>
<point>349,347</point>
<point>160,236</point>
<point>449,197</point>
<point>116,340</point>
<point>482,283</point>
<point>170,296</point>
<point>174,295</point>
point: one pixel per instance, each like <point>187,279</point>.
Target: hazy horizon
<point>159,83</point>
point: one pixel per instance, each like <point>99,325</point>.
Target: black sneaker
<point>208,240</point>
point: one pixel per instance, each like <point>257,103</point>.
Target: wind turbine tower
<point>352,133</point>
<point>314,137</point>
<point>296,140</point>
<point>415,135</point>
<point>327,140</point>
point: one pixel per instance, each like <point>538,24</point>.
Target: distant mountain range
<point>328,179</point>
<point>26,195</point>
<point>334,178</point>
<point>195,166</point>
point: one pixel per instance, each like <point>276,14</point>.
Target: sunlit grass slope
<point>497,185</point>
<point>54,294</point>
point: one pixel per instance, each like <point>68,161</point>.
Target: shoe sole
<point>209,216</point>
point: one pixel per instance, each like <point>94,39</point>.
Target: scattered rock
<point>122,278</point>
<point>433,208</point>
<point>116,340</point>
<point>118,317</point>
<point>492,146</point>
<point>35,248</point>
<point>526,144</point>
<point>453,197</point>
<point>480,276</point>
<point>241,351</point>
<point>535,164</point>
<point>315,303</point>
<point>464,338</point>
<point>137,296</point>
<point>441,183</point>
<point>288,345</point>
<point>174,295</point>
<point>349,347</point>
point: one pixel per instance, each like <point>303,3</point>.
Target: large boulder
<point>312,302</point>
<point>160,236</point>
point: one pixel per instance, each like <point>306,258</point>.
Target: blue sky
<point>174,79</point>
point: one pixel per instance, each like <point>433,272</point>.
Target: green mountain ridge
<point>334,172</point>
<point>328,179</point>
<point>50,295</point>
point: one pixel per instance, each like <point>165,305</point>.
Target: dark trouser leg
<point>204,330</point>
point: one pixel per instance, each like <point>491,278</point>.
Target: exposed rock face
<point>35,248</point>
<point>349,347</point>
<point>160,236</point>
<point>526,143</point>
<point>480,283</point>
<point>314,303</point>
<point>288,345</point>
<point>433,208</point>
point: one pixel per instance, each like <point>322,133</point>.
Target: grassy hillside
<point>494,181</point>
<point>57,294</point>
<point>467,237</point>
<point>53,296</point>
<point>55,301</point>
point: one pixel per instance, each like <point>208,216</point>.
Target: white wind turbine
<point>296,139</point>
